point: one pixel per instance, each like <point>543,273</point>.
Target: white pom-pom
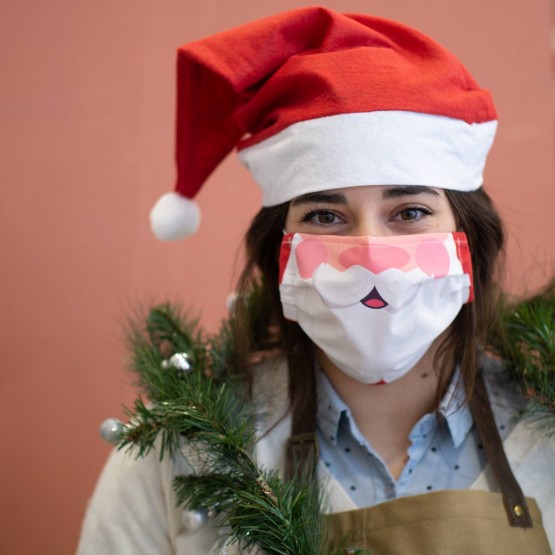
<point>174,217</point>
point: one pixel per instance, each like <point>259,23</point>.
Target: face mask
<point>374,305</point>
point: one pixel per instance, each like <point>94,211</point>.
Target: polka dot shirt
<point>445,450</point>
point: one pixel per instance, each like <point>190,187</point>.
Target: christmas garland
<point>198,404</point>
<point>196,400</point>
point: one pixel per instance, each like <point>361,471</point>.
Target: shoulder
<point>530,449</point>
<point>506,398</point>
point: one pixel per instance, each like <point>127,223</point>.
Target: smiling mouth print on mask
<point>374,300</point>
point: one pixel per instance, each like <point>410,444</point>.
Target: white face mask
<point>374,305</point>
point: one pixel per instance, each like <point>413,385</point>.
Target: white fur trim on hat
<point>371,148</point>
<point>174,217</point>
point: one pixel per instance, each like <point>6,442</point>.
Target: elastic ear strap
<point>513,498</point>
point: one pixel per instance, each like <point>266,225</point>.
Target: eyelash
<point>423,209</point>
<point>308,216</point>
<point>311,214</point>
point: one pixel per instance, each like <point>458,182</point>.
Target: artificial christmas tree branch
<point>525,340</point>
<point>197,405</point>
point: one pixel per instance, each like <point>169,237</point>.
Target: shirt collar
<point>330,407</point>
<point>456,414</point>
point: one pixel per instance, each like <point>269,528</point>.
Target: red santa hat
<point>315,100</point>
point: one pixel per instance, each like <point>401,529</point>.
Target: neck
<point>385,414</point>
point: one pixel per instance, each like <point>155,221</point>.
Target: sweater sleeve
<point>133,511</point>
<point>128,512</point>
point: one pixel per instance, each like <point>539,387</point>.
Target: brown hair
<point>475,215</point>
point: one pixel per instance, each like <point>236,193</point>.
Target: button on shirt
<point>445,451</point>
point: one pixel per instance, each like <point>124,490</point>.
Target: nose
<point>367,225</point>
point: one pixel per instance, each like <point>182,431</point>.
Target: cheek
<point>450,223</point>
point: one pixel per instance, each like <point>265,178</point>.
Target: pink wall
<point>87,102</point>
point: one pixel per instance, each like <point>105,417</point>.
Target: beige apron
<point>449,522</point>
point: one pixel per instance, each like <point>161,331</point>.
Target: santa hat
<point>317,100</point>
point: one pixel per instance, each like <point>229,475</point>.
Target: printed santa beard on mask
<point>345,316</point>
<point>378,346</point>
<point>391,290</point>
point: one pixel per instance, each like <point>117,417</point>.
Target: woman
<point>378,249</point>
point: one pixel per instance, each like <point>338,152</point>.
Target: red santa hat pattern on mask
<point>314,100</point>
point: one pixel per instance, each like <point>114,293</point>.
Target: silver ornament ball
<point>179,361</point>
<point>111,430</point>
<point>195,520</point>
<point>231,302</point>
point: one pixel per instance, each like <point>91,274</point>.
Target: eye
<point>321,217</point>
<point>412,214</point>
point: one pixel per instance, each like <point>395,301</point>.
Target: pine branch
<point>526,341</point>
<point>203,411</point>
<point>280,518</point>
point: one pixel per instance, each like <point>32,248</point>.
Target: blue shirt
<point>445,451</point>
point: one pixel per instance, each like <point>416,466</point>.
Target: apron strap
<point>302,446</point>
<point>513,498</point>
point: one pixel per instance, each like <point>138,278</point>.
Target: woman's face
<point>372,307</point>
<point>375,210</point>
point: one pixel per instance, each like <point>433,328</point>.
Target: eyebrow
<point>340,198</point>
<point>331,198</point>
<point>402,190</point>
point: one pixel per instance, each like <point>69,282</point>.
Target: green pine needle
<point>526,342</point>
